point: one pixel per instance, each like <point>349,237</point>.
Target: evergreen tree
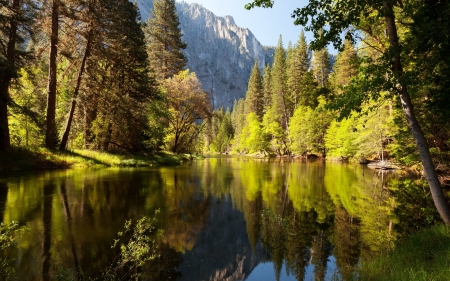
<point>50,136</point>
<point>254,97</point>
<point>238,121</point>
<point>220,131</point>
<point>321,67</point>
<point>118,73</point>
<point>164,40</point>
<point>267,87</point>
<point>15,21</point>
<point>298,64</point>
<point>279,86</point>
<point>345,68</point>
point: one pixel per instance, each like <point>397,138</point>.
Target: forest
<point>90,74</point>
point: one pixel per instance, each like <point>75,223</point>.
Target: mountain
<point>221,53</point>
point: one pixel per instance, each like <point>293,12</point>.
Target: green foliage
<point>274,131</point>
<point>140,248</point>
<point>321,67</point>
<point>187,103</point>
<point>254,96</point>
<point>297,67</point>
<point>267,87</point>
<point>340,138</point>
<point>279,99</point>
<point>252,135</point>
<point>308,127</point>
<point>10,233</point>
<point>422,256</point>
<point>415,208</point>
<point>164,44</point>
<point>301,130</point>
<point>221,131</point>
<point>238,121</point>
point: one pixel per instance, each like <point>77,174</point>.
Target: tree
<point>267,87</point>
<point>254,96</point>
<point>252,135</point>
<point>298,65</point>
<point>221,131</point>
<point>188,104</point>
<point>328,19</point>
<point>86,30</point>
<point>345,68</point>
<point>321,67</point>
<point>15,19</point>
<point>118,86</point>
<point>164,40</point>
<point>238,120</point>
<point>279,86</point>
<point>50,133</point>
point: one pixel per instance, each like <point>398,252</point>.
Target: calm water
<point>223,218</point>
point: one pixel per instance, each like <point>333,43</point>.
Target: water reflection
<point>223,218</point>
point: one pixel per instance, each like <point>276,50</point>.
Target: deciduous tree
<point>188,105</point>
<point>328,19</point>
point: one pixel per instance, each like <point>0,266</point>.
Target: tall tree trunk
<point>50,135</point>
<point>413,123</point>
<point>5,80</point>
<point>63,144</point>
<point>90,113</point>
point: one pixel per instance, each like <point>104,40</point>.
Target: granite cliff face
<point>219,52</point>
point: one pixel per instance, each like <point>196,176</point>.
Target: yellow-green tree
<point>188,104</point>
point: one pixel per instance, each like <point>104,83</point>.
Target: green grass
<point>38,158</point>
<point>423,256</point>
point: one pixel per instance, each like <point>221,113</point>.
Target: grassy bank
<point>422,256</point>
<point>41,158</point>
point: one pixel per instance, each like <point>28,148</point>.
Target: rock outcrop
<point>221,53</point>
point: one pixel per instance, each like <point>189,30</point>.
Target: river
<point>222,218</point>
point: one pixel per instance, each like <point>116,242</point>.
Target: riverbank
<point>39,158</point>
<point>424,255</point>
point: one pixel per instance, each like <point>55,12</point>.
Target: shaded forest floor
<point>39,158</point>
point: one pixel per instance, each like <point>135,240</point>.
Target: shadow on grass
<point>38,158</point>
<point>88,159</point>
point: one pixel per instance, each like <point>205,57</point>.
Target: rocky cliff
<point>221,53</point>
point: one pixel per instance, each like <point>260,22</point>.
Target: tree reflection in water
<point>221,217</point>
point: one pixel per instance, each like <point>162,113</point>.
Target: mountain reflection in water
<point>224,218</point>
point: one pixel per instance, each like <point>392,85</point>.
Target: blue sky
<point>266,24</point>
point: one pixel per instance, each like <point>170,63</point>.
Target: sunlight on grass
<point>422,256</point>
<point>31,158</point>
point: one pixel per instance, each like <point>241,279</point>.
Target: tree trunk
<point>90,113</point>
<point>50,135</point>
<point>413,124</point>
<point>63,144</point>
<point>5,80</point>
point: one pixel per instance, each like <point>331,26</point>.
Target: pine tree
<point>345,67</point>
<point>298,64</point>
<point>15,19</point>
<point>119,87</point>
<point>279,86</point>
<point>50,135</point>
<point>267,87</point>
<point>164,40</point>
<point>321,67</point>
<point>255,94</point>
